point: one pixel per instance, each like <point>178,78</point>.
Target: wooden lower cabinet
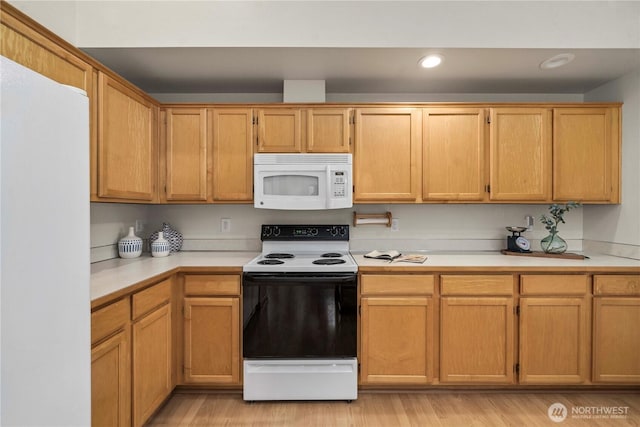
<point>212,340</point>
<point>212,329</point>
<point>396,340</point>
<point>110,382</point>
<point>616,337</point>
<point>152,362</point>
<point>111,365</point>
<point>477,329</point>
<point>555,332</point>
<point>397,325</point>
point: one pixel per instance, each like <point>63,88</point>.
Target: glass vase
<point>553,244</point>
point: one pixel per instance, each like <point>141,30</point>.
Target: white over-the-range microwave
<point>302,181</point>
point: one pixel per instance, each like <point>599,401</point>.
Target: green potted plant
<point>554,244</point>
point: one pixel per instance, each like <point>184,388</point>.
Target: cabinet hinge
<point>516,310</point>
<point>516,368</point>
<point>359,310</point>
<point>358,368</point>
<point>488,119</point>
<point>487,188</point>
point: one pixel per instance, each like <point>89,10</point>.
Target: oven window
<point>295,318</point>
<point>291,185</point>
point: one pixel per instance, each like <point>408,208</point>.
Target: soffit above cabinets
<point>364,70</point>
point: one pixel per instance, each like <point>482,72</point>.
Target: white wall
<point>501,24</point>
<point>110,222</point>
<point>59,16</point>
<point>616,229</point>
<point>429,227</point>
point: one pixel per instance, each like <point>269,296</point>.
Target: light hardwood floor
<point>448,408</point>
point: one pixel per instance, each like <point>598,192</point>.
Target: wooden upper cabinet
<point>279,130</point>
<point>187,152</point>
<point>387,154</point>
<point>453,154</point>
<point>232,135</point>
<point>127,158</point>
<point>520,154</point>
<point>328,130</point>
<point>586,154</point>
<point>32,49</point>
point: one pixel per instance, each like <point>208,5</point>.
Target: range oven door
<point>299,315</point>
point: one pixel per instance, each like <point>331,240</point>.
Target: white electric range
<point>300,315</point>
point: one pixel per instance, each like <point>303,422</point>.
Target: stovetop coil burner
<point>329,261</point>
<point>331,255</point>
<point>270,262</point>
<point>279,255</point>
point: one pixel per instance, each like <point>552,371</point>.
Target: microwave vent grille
<point>296,159</point>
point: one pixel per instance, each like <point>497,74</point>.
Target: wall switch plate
<point>395,224</point>
<point>139,226</point>
<point>225,225</point>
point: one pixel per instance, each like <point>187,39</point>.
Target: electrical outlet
<point>139,226</point>
<point>529,220</point>
<point>225,225</point>
<point>395,224</point>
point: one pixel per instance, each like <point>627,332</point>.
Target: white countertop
<point>108,277</point>
<point>498,260</point>
<point>115,274</point>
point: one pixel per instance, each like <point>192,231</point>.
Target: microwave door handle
<point>328,198</point>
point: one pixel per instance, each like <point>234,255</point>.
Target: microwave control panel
<point>339,184</point>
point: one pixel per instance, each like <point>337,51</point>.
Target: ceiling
<point>364,70</point>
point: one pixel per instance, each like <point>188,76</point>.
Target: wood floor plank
<point>375,409</point>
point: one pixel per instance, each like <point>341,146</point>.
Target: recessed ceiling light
<point>431,61</point>
<point>557,61</point>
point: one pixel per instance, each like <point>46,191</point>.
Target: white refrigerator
<point>45,354</point>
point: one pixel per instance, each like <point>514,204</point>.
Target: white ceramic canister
<point>160,247</point>
<point>130,246</point>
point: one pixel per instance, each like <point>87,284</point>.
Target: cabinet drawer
<point>554,284</point>
<point>476,285</point>
<point>211,284</point>
<point>617,284</point>
<point>109,319</point>
<point>150,298</point>
<point>386,284</point>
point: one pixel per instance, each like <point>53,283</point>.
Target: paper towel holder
<point>372,219</point>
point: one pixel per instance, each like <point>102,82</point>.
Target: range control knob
<point>266,231</point>
<point>276,231</point>
<point>343,231</point>
<point>334,231</point>
<point>313,231</point>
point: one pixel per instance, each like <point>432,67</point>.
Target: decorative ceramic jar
<point>173,237</point>
<point>160,247</point>
<point>130,246</point>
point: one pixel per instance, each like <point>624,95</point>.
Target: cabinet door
<point>126,143</point>
<point>151,363</point>
<point>616,340</point>
<point>554,340</point>
<point>397,340</point>
<point>520,154</point>
<point>111,382</point>
<point>586,154</point>
<point>279,131</point>
<point>387,154</point>
<point>328,130</point>
<point>232,135</point>
<point>186,154</point>
<point>476,340</point>
<point>211,340</point>
<point>453,154</point>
